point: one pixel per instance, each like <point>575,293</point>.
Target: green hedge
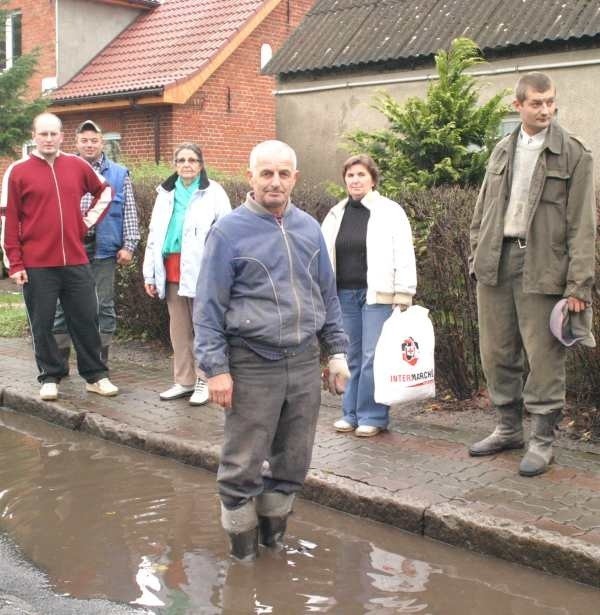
<point>440,219</point>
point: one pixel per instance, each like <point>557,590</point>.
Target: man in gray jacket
<point>532,243</point>
<point>266,297</point>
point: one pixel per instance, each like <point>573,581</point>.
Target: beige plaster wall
<point>83,29</point>
<point>314,122</point>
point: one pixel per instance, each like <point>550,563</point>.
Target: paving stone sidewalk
<point>416,477</point>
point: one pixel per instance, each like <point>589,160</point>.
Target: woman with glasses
<point>187,205</point>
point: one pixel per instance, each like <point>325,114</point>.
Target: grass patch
<point>13,322</point>
<point>10,298</point>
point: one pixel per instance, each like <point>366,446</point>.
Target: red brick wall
<point>38,30</point>
<point>228,133</point>
<point>136,127</point>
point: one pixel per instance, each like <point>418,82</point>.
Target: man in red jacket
<point>43,244</point>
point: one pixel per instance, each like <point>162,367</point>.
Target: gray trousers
<point>103,271</point>
<point>273,417</point>
<point>514,326</point>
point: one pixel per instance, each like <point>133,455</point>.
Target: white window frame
<point>9,42</point>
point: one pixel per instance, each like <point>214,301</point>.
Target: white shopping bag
<point>404,366</point>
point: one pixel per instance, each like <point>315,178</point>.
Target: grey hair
<point>192,146</point>
<point>269,147</point>
<point>539,82</point>
<point>46,115</point>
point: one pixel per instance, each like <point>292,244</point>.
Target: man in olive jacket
<point>532,243</point>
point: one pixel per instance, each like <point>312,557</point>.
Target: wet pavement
<point>113,530</point>
<point>415,477</point>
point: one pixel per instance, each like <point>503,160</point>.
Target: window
<point>266,53</point>
<point>10,45</point>
<point>112,145</point>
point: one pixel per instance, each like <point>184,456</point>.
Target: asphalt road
<point>24,591</point>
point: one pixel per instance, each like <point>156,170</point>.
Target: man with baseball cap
<point>113,241</point>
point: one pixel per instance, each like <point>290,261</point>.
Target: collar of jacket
<point>554,139</point>
<point>369,201</point>
<point>169,183</point>
<point>257,208</point>
<point>36,154</point>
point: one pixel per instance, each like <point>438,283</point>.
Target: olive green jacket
<point>561,226</point>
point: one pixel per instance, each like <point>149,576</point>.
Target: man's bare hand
<point>220,389</point>
<point>124,257</point>
<point>20,277</point>
<point>576,305</point>
<point>151,290</point>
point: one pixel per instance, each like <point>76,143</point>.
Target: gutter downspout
<point>479,73</point>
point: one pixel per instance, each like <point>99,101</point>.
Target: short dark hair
<point>539,82</point>
<point>366,161</point>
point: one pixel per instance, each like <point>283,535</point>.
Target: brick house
<point>154,74</point>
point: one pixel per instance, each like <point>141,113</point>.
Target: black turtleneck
<point>351,247</point>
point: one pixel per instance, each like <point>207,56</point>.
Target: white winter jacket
<point>391,267</point>
<point>206,205</point>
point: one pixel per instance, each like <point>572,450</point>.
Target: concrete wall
<point>83,29</point>
<point>314,122</point>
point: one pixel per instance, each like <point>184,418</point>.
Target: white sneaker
<point>343,426</point>
<point>200,395</point>
<point>366,431</point>
<point>176,391</point>
<point>103,387</point>
<point>49,391</point>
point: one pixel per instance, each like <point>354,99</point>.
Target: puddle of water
<point>104,521</point>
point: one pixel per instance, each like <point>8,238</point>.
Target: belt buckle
<point>522,243</point>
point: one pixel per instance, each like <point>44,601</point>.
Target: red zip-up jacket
<point>43,225</point>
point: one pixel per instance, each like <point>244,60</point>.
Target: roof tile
<point>169,43</point>
<point>344,33</point>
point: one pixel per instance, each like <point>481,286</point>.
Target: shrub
<point>145,318</point>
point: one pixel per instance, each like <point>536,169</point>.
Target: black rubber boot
<point>507,435</point>
<point>241,525</point>
<point>65,355</point>
<point>244,546</point>
<point>273,508</point>
<point>272,530</point>
<point>539,453</point>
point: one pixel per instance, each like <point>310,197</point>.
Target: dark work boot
<point>272,530</point>
<point>244,546</point>
<point>241,524</point>
<point>539,453</point>
<point>273,509</point>
<point>507,435</point>
<point>65,355</point>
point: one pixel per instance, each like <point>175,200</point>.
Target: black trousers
<point>74,286</point>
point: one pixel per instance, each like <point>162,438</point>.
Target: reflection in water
<point>106,521</point>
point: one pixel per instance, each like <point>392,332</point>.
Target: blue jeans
<point>363,324</point>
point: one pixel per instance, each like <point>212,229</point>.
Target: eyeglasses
<point>188,160</point>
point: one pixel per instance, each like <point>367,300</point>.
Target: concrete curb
<point>547,551</point>
<point>455,523</point>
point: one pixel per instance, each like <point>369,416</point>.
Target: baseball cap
<point>88,125</point>
<point>572,327</point>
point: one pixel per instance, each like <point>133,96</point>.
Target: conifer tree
<point>445,138</point>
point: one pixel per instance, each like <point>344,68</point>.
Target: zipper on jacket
<point>289,253</point>
<point>60,211</point>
